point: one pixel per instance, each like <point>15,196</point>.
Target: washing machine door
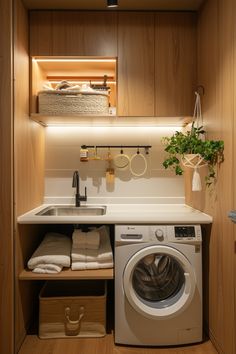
<point>159,282</point>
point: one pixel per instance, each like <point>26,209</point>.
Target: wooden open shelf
<point>69,274</point>
<point>108,121</point>
<point>75,70</point>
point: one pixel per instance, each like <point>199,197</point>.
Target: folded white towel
<point>103,254</point>
<point>86,240</point>
<point>90,265</point>
<point>55,249</point>
<point>47,268</point>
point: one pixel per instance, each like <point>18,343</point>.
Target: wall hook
<point>200,90</point>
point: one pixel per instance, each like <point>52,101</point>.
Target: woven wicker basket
<point>72,309</point>
<point>72,102</point>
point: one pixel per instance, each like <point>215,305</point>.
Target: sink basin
<point>67,210</point>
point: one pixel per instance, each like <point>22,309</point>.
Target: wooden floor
<point>34,345</point>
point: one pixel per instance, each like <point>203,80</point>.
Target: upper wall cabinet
<point>155,54</point>
<point>68,33</point>
<point>175,63</point>
<point>136,64</point>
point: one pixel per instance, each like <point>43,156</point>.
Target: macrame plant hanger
<point>196,161</point>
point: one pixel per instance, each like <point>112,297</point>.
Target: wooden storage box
<point>69,309</point>
<point>72,102</point>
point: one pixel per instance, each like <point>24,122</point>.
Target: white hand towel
<point>91,265</point>
<point>86,240</point>
<point>54,249</point>
<point>47,268</point>
<point>104,253</point>
<point>93,239</point>
<point>78,236</point>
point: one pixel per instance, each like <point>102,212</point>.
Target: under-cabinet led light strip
<point>75,60</point>
<point>83,82</point>
<point>102,128</point>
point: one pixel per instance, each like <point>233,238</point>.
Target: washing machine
<point>158,284</point>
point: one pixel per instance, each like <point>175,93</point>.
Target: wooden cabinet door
<point>175,63</point>
<point>62,33</point>
<point>84,33</point>
<point>135,64</point>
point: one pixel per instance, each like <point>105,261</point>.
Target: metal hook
<point>200,90</point>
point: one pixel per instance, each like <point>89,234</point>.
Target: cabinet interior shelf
<point>68,274</point>
<point>108,121</point>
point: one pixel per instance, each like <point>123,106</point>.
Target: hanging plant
<point>207,152</point>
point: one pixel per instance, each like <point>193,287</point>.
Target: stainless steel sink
<point>67,210</point>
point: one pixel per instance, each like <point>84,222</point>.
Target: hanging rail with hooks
<point>117,146</point>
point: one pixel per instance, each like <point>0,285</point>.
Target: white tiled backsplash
<point>63,157</point>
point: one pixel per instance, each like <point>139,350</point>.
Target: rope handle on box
<point>73,327</point>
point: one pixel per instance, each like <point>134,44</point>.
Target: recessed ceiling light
<point>112,3</point>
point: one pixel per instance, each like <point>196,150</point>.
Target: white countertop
<point>125,214</point>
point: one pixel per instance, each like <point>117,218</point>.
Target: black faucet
<point>75,184</point>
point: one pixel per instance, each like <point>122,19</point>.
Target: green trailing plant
<point>193,142</point>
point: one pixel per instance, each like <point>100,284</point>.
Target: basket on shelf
<point>72,102</point>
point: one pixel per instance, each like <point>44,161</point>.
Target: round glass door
<point>158,277</point>
<point>159,281</point>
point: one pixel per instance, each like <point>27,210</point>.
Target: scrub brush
<point>110,172</point>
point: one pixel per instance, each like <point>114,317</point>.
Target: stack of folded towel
<point>52,254</point>
<point>91,250</point>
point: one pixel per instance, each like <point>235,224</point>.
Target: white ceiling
<point>123,4</point>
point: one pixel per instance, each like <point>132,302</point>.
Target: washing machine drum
<point>159,281</point>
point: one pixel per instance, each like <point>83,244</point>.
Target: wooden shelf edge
<point>68,274</point>
<point>109,120</point>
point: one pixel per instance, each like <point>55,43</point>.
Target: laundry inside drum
<point>158,277</point>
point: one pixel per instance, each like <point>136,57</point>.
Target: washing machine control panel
<point>158,233</point>
<point>176,233</point>
<point>184,231</point>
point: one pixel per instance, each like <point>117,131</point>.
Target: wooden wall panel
<point>216,74</point>
<point>136,64</point>
<point>28,170</point>
<point>37,79</point>
<point>6,180</point>
<point>224,231</point>
<point>175,63</point>
<point>73,33</point>
<point>29,136</point>
<point>41,33</point>
<point>234,165</point>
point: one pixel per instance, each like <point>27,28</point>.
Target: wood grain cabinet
<point>156,69</point>
<point>155,51</point>
<point>69,33</point>
<point>175,63</point>
<point>136,64</point>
